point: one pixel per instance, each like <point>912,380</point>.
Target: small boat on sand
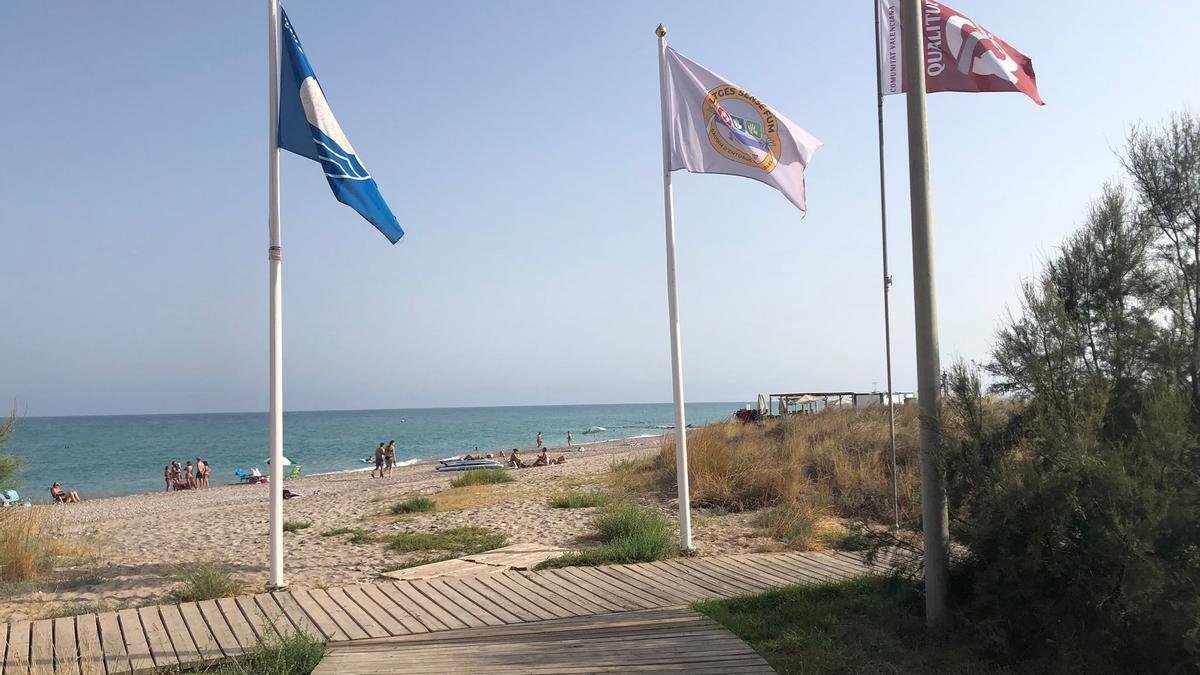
<point>468,464</point>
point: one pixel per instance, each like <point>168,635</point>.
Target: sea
<point>113,455</point>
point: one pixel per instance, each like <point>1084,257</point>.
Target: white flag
<point>718,127</point>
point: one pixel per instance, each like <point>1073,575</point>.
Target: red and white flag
<point>960,54</point>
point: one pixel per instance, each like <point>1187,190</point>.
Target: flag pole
<point>681,473</point>
<point>275,405</point>
<point>887,277</point>
<point>934,520</point>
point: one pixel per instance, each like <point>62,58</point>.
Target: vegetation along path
<point>171,636</point>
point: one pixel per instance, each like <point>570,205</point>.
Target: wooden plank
<point>601,587</point>
<point>357,613</point>
<point>561,585</point>
<point>91,653</point>
<point>66,650</point>
<point>651,579</point>
<point>394,607</point>
<point>116,659</point>
<point>177,631</point>
<point>387,623</point>
<point>505,586</point>
<point>449,612</point>
<point>484,613</point>
<point>207,648</point>
<point>639,587</point>
<point>617,585</point>
<point>712,580</point>
<point>583,587</point>
<point>524,587</point>
<point>425,610</point>
<point>136,645</point>
<point>518,606</point>
<point>156,635</point>
<point>221,631</point>
<point>41,646</point>
<point>264,629</point>
<point>506,611</point>
<point>351,629</point>
<point>738,579</point>
<point>805,563</point>
<point>272,613</point>
<point>16,656</point>
<point>471,613</point>
<point>800,569</point>
<point>327,628</point>
<point>764,567</point>
<point>242,631</point>
<point>837,567</point>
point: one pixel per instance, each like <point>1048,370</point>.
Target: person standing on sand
<point>188,477</point>
<point>201,473</point>
<point>568,439</point>
<point>167,476</point>
<point>539,439</point>
<point>379,453</point>
<point>389,456</point>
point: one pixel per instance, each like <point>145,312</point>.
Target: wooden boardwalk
<point>148,638</point>
<point>654,640</point>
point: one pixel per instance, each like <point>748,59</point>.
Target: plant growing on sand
<point>357,534</point>
<point>205,581</point>
<point>414,504</point>
<point>628,534</point>
<point>295,525</point>
<point>482,477</point>
<point>295,654</point>
<point>458,540</point>
<point>580,500</point>
<point>29,545</point>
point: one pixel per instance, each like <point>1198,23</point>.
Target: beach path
<point>573,619</point>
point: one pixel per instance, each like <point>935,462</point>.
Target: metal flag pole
<point>275,406</point>
<point>887,277</point>
<point>934,524</point>
<point>681,474</point>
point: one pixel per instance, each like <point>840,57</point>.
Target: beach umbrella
<point>285,462</point>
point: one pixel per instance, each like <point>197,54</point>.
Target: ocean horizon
<point>121,454</point>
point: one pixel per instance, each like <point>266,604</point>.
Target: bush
<point>838,458</point>
<point>628,534</point>
<point>580,500</point>
<point>798,525</point>
<point>28,545</point>
<point>458,540</point>
<point>414,504</point>
<point>296,654</point>
<point>205,581</point>
<point>482,477</point>
<point>295,525</point>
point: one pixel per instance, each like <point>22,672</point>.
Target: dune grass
<point>30,546</point>
<point>482,477</point>
<point>417,562</point>
<point>77,608</point>
<point>864,625</point>
<point>205,581</point>
<point>580,500</point>
<point>628,534</point>
<point>296,654</point>
<point>295,525</point>
<point>413,504</point>
<point>357,534</point>
<point>458,541</point>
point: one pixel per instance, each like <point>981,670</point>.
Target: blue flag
<point>307,127</point>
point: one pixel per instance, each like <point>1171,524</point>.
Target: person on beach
<point>568,439</point>
<point>379,454</point>
<point>167,476</point>
<point>62,497</point>
<point>389,456</point>
<point>201,473</point>
<point>189,477</point>
<point>514,460</point>
<point>542,459</point>
<point>539,440</point>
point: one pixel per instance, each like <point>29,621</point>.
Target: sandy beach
<point>138,543</point>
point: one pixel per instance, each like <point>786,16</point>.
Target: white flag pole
<point>887,277</point>
<point>681,473</point>
<point>275,406</point>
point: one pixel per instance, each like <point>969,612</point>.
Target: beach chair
<point>295,472</point>
<point>245,477</point>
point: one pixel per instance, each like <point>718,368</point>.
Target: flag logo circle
<point>742,128</point>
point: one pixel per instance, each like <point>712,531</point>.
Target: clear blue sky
<point>519,145</point>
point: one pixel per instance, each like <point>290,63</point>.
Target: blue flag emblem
<point>307,127</point>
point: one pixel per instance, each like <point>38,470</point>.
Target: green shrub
<point>628,534</point>
<point>296,654</point>
<point>459,540</point>
<point>580,500</point>
<point>357,534</point>
<point>414,504</point>
<point>205,581</point>
<point>295,525</point>
<point>482,477</point>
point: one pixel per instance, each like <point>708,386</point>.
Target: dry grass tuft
<point>838,461</point>
<point>29,547</point>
